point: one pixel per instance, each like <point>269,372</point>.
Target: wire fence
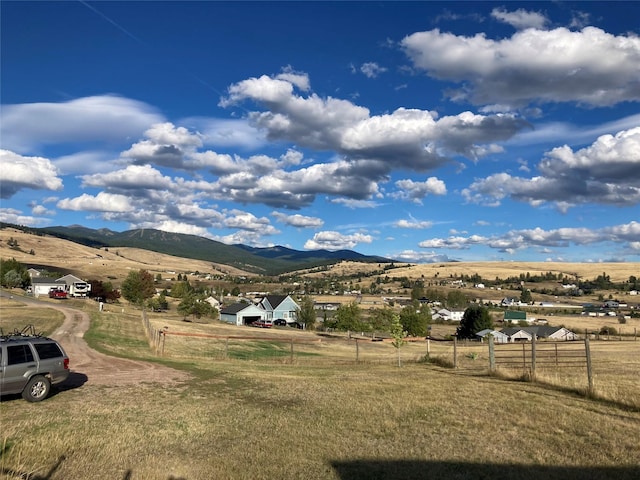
<point>564,363</point>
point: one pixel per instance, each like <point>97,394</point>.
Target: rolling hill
<point>264,261</point>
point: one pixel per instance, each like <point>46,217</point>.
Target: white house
<point>42,285</point>
<point>498,337</point>
<point>213,302</point>
<point>76,287</point>
<point>517,334</point>
<point>448,315</point>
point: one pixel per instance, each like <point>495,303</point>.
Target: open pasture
<point>264,419</point>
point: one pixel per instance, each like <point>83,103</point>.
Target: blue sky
<point>420,131</point>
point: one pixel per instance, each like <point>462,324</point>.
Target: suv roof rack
<point>27,331</point>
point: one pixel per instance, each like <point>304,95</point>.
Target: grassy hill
<point>264,261</point>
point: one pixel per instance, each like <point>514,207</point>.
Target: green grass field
<point>325,416</point>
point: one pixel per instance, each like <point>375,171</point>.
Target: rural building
<point>42,285</point>
<point>498,337</point>
<point>517,334</point>
<point>551,333</point>
<point>213,302</point>
<point>448,315</point>
<point>541,331</point>
<point>279,306</point>
<point>515,316</point>
<point>242,314</point>
<point>76,287</point>
<point>270,307</point>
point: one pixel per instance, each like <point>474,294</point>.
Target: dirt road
<point>91,367</point>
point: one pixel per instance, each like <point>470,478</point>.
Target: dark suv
<point>30,364</point>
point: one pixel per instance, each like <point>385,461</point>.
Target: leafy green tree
<point>415,320</point>
<point>307,313</point>
<point>138,287</point>
<point>181,289</point>
<point>457,299</point>
<point>475,319</point>
<point>417,292</point>
<point>158,303</point>
<point>381,319</point>
<point>18,275</point>
<point>398,334</point>
<point>348,318</point>
<point>196,305</point>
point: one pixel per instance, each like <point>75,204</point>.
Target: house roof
<point>274,300</point>
<point>235,308</point>
<point>515,315</point>
<point>70,277</point>
<point>488,331</point>
<point>46,281</point>
<point>510,332</point>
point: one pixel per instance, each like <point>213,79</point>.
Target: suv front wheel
<point>37,389</point>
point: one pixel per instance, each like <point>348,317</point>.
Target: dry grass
<point>618,272</point>
<point>263,420</point>
<point>15,315</point>
<point>93,263</point>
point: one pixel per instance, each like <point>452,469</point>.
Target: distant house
<point>448,315</point>
<point>42,285</point>
<point>515,316</point>
<point>279,306</point>
<point>213,302</point>
<point>526,334</point>
<point>242,313</point>
<point>517,334</point>
<point>270,307</point>
<point>76,287</point>
<point>507,302</point>
<point>498,337</point>
<point>33,272</point>
<point>551,333</point>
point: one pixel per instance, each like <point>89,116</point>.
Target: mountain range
<point>265,261</point>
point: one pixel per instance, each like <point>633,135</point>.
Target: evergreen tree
<point>475,319</point>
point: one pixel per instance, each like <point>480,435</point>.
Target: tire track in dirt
<point>98,368</point>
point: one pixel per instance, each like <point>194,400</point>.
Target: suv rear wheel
<point>37,389</point>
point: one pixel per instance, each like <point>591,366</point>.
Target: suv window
<point>17,354</point>
<point>47,350</point>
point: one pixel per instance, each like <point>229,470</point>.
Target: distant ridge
<point>265,261</point>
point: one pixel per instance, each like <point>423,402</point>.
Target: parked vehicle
<point>262,324</point>
<point>30,364</point>
<point>280,322</point>
<point>57,293</point>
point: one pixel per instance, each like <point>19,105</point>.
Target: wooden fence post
<point>587,351</point>
<point>533,357</point>
<point>492,354</point>
<point>226,348</point>
<point>357,351</point>
<point>291,349</point>
<point>455,351</point>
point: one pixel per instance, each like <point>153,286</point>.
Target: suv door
<point>18,364</point>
